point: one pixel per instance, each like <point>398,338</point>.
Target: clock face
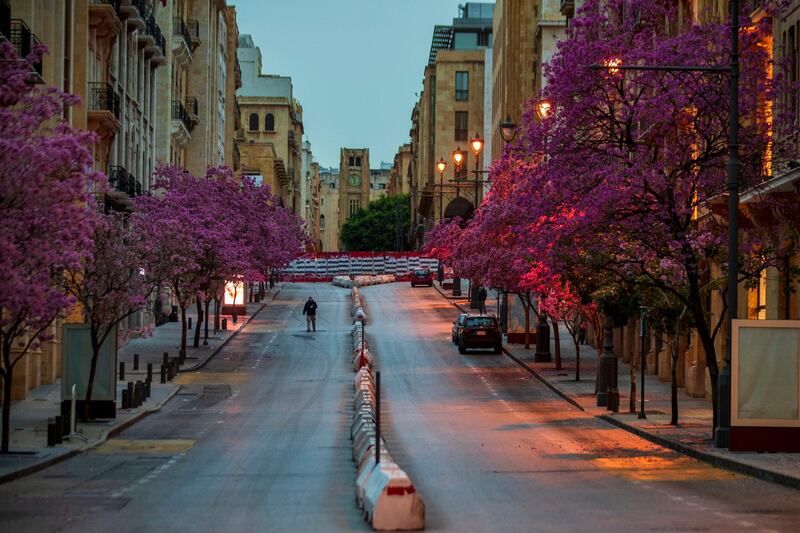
<point>354,180</point>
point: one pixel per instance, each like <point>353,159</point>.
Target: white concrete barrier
<point>391,501</point>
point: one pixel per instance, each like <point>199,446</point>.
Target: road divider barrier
<point>384,491</point>
<point>362,281</point>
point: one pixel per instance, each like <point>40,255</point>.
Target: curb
<point>32,469</point>
<point>706,457</point>
<point>709,458</point>
<point>210,356</point>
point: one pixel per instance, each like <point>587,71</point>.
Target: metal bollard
<point>163,373</point>
<point>125,402</point>
<point>224,323</point>
<point>122,370</point>
<point>136,361</point>
<point>59,428</point>
<point>190,323</point>
<point>613,399</point>
<point>66,430</point>
<point>147,388</point>
<point>138,393</point>
<point>51,432</point>
<point>149,371</point>
<point>130,395</point>
<point>166,358</point>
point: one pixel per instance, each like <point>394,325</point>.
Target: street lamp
<point>458,159</point>
<point>543,109</point>
<point>508,129</point>
<point>476,144</point>
<point>441,165</point>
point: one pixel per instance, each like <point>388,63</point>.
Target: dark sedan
<point>458,323</point>
<point>480,332</point>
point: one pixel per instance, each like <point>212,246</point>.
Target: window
<point>354,161</point>
<point>462,124</point>
<point>253,122</point>
<point>269,122</point>
<point>462,86</point>
<point>355,204</point>
<point>322,222</point>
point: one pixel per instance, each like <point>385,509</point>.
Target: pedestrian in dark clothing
<point>310,310</point>
<point>482,300</point>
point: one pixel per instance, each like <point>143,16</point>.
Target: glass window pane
<point>768,373</point>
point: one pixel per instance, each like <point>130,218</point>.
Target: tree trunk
<point>703,333</point>
<point>216,313</point>
<point>7,379</point>
<point>205,340</point>
<point>90,383</point>
<point>577,359</point>
<point>557,340</point>
<point>527,323</point>
<point>199,324</point>
<point>182,353</point>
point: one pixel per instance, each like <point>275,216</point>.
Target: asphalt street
<point>492,449</point>
<point>258,441</point>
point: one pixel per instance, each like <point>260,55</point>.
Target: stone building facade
<point>354,181</point>
<point>329,209</point>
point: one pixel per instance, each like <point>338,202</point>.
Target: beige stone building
<point>313,211</point>
<point>379,181</point>
<point>400,176</point>
<point>449,113</point>
<point>272,127</point>
<point>329,209</point>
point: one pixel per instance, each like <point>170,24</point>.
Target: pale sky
<point>355,65</point>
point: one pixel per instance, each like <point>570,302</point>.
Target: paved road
<point>257,441</point>
<point>492,449</point>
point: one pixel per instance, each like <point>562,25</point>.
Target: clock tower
<point>353,182</point>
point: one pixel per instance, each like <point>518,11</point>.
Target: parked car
<point>480,331</point>
<point>458,323</point>
<point>422,276</point>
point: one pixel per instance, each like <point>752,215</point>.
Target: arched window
<point>253,121</point>
<point>322,222</point>
<point>269,122</point>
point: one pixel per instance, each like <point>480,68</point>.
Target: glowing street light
<point>441,165</point>
<point>476,144</point>
<point>544,109</point>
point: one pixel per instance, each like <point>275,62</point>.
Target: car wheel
<point>461,348</point>
<point>498,348</point>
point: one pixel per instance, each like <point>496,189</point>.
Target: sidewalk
<point>29,417</point>
<point>692,435</point>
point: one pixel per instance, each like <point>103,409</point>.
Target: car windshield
<point>480,322</point>
<point>422,272</point>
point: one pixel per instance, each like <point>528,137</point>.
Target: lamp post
<point>458,159</point>
<point>441,165</point>
<point>723,423</point>
<point>476,145</point>
<point>643,360</point>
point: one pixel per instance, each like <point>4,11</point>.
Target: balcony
<point>181,124</point>
<point>153,40</point>
<point>182,46</point>
<point>135,11</point>
<point>124,188</point>
<point>24,40</point>
<point>193,109</point>
<point>103,109</point>
<point>193,28</point>
<point>104,17</point>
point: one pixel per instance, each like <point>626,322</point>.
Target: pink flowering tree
<point>109,286</point>
<point>628,163</point>
<point>46,225</point>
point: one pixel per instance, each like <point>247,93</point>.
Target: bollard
<point>125,402</point>
<point>136,361</point>
<point>613,399</point>
<point>130,395</point>
<point>138,393</point>
<point>224,324</point>
<point>65,429</point>
<point>190,323</point>
<point>235,316</point>
<point>51,432</point>
<point>163,373</point>
<point>59,428</point>
<point>149,371</point>
<point>122,370</point>
<point>147,388</point>
<point>166,358</point>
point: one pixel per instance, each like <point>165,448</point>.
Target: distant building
<point>400,176</point>
<point>354,182</point>
<point>329,209</point>
<point>272,120</point>
<point>379,181</point>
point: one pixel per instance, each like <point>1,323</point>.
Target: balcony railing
<point>24,41</point>
<point>191,106</point>
<point>112,3</point>
<point>179,113</point>
<point>193,29</point>
<point>123,181</point>
<point>151,28</point>
<point>179,28</point>
<point>103,98</point>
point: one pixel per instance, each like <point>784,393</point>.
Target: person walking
<point>310,310</point>
<point>482,300</point>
